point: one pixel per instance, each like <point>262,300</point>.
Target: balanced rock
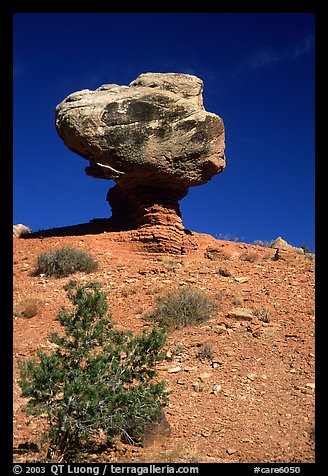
<point>154,139</point>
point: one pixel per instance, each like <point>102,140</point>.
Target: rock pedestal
<point>155,140</point>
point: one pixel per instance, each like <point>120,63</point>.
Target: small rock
<point>231,451</point>
<point>204,376</point>
<point>174,370</point>
<point>197,386</point>
<point>310,385</point>
<point>21,230</point>
<point>230,353</point>
<point>242,279</point>
<point>221,330</point>
<point>189,369</point>
<point>241,313</point>
<point>251,377</point>
<point>216,389</point>
<point>206,432</point>
<point>216,365</point>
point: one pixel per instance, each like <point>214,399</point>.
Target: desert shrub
<point>65,261</point>
<point>262,313</point>
<point>219,296</point>
<point>175,351</point>
<point>310,256</point>
<point>228,237</point>
<point>250,256</point>
<point>27,308</point>
<point>98,381</point>
<point>205,352</point>
<point>237,300</point>
<point>265,244</point>
<point>169,263</point>
<point>224,272</point>
<point>182,307</point>
<point>305,249</point>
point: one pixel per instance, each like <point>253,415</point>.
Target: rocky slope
<point>250,398</point>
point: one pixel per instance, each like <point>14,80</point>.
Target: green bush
<point>64,261</point>
<point>305,249</point>
<point>182,307</point>
<point>98,381</point>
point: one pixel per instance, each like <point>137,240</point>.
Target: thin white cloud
<point>305,47</point>
<point>262,57</point>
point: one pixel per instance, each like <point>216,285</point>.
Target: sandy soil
<point>252,401</point>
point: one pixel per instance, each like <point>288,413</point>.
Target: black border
<point>6,100</point>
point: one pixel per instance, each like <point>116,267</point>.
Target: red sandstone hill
<point>252,401</point>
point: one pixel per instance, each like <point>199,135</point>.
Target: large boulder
<point>153,138</point>
<point>282,245</point>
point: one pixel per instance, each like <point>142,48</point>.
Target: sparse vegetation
<point>305,249</point>
<point>129,290</point>
<point>169,263</point>
<point>220,296</point>
<point>310,256</point>
<point>224,272</point>
<point>249,256</point>
<point>182,307</point>
<point>27,308</point>
<point>262,313</point>
<point>237,300</point>
<point>228,237</point>
<point>64,261</point>
<point>265,244</point>
<point>205,352</point>
<point>175,351</point>
<point>98,383</point>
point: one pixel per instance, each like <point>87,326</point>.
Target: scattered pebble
<point>231,451</point>
<point>216,389</point>
<point>251,377</point>
<point>204,376</point>
<point>174,370</point>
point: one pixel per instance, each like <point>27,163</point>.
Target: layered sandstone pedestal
<point>155,140</point>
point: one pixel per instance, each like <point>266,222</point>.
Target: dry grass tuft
<point>27,308</point>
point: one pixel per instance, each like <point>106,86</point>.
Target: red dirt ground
<point>263,409</point>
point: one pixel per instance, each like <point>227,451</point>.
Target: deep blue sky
<point>258,73</point>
